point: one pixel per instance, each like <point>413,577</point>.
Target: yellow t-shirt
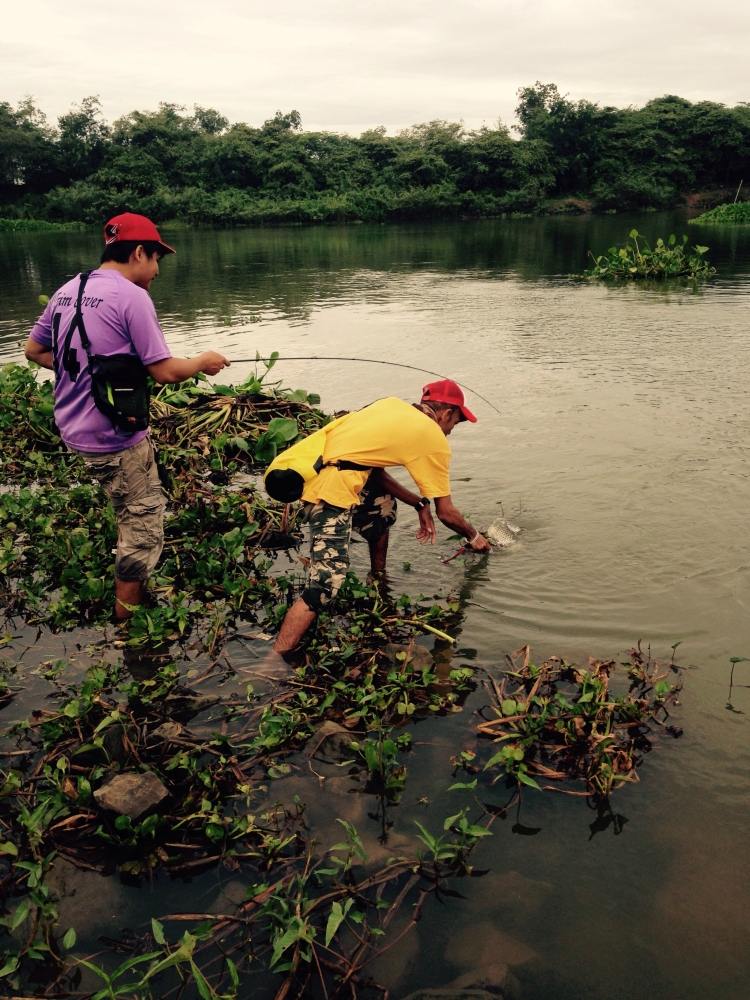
<point>389,432</point>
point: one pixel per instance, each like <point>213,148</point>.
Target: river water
<point>620,450</point>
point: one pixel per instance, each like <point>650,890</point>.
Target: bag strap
<point>69,359</point>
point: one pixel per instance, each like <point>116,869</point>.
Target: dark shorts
<point>330,535</point>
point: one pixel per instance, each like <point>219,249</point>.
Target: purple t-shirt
<point>120,319</point>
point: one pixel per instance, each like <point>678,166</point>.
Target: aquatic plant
<point>563,723</point>
<point>218,809</point>
<point>736,214</point>
<point>314,914</point>
<point>636,259</point>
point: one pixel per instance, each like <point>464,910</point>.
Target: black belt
<point>342,465</point>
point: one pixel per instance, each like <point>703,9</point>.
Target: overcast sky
<point>348,66</point>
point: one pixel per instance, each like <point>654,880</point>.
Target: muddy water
<point>621,450</point>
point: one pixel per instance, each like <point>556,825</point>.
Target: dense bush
<point>172,164</point>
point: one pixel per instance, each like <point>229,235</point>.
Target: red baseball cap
<point>130,226</point>
<point>447,391</point>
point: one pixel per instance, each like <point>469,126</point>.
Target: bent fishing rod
<point>369,361</point>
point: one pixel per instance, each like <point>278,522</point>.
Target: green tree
<point>82,139</point>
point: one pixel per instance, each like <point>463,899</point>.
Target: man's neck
<point>113,265</point>
<point>426,409</point>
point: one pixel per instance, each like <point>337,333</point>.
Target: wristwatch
<point>421,504</point>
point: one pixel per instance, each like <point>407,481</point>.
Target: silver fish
<point>502,532</point>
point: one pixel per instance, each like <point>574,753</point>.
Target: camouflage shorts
<point>376,512</point>
<point>330,535</point>
<point>130,479</point>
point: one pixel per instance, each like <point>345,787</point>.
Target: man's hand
<point>212,362</point>
<point>426,533</point>
<point>479,544</point>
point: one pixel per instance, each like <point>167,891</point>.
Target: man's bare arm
<point>178,369</point>
<point>390,485</point>
<point>38,353</point>
<point>452,518</point>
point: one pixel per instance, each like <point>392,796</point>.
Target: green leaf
<point>8,847</point>
<point>282,943</point>
<point>526,779</point>
<point>282,429</point>
<point>69,938</point>
<point>452,820</point>
<point>204,989</point>
<point>425,836</point>
<point>20,913</point>
<point>463,784</point>
<point>335,919</point>
<point>10,966</point>
<point>157,930</point>
<point>475,830</point>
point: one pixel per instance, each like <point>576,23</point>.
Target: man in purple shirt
<point>119,319</point>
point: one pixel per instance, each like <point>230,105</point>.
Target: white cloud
<point>347,66</point>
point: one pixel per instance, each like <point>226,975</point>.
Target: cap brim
<point>166,248</point>
<point>467,414</point>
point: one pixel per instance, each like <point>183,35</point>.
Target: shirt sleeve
<point>143,328</point>
<point>431,473</point>
<point>41,331</point>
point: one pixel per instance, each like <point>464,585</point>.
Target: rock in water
<point>131,794</point>
<point>502,532</point>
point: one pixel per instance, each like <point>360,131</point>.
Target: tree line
<point>196,166</point>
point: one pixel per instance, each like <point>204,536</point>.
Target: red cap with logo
<point>447,391</point>
<point>130,226</point>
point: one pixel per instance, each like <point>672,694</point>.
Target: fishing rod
<point>369,361</point>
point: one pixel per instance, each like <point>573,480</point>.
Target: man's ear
<point>138,254</point>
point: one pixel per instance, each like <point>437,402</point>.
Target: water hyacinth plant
<point>636,259</point>
<point>736,214</point>
<point>174,703</point>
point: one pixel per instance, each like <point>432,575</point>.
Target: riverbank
<point>236,209</point>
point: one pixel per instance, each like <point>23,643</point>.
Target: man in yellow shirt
<point>353,487</point>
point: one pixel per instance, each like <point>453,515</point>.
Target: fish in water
<point>502,532</point>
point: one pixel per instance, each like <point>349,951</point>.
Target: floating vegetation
<point>636,259</point>
<point>212,760</point>
<point>736,214</point>
<point>158,751</point>
<point>563,723</point>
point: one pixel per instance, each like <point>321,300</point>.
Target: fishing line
<point>369,361</point>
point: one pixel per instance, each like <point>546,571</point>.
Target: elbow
<point>163,373</point>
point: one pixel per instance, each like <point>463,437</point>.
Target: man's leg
<point>378,553</point>
<point>330,534</point>
<point>130,479</point>
<point>128,594</point>
<point>297,621</point>
<point>140,522</point>
<point>372,518</point>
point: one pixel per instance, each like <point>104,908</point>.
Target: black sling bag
<point>119,382</point>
